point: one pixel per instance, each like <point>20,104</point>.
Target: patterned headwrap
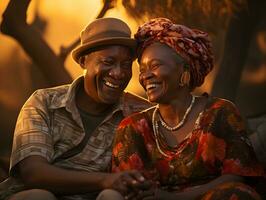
<point>192,45</point>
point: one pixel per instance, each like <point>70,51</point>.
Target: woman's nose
<point>146,75</point>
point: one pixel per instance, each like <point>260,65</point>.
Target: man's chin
<point>110,99</point>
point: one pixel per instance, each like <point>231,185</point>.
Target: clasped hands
<point>133,186</point>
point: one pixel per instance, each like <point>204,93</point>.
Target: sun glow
<point>64,21</point>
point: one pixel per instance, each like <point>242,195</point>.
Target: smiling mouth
<point>151,86</point>
<point>111,85</point>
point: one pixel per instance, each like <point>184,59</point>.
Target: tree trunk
<point>14,24</point>
<point>241,28</point>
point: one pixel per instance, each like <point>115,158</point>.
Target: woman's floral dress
<point>217,145</point>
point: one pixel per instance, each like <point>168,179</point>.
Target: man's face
<point>108,72</point>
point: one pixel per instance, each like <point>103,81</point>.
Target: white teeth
<point>150,86</point>
<point>111,85</point>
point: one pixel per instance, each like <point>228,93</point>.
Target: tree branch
<point>240,32</point>
<point>14,24</point>
<point>64,51</point>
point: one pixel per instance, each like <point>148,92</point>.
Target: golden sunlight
<point>65,20</point>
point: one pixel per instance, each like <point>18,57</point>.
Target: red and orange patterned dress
<point>217,145</point>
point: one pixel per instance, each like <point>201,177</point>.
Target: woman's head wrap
<point>192,45</point>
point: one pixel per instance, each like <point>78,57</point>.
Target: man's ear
<point>82,61</point>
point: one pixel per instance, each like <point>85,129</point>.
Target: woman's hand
<point>127,182</point>
<point>154,194</point>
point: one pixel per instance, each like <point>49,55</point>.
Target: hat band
<point>106,35</point>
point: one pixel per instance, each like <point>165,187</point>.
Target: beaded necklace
<point>155,125</point>
<point>181,123</point>
<point>156,132</point>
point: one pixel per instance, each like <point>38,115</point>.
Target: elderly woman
<point>189,147</point>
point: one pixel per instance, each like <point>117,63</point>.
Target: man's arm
<point>33,151</point>
<point>36,172</point>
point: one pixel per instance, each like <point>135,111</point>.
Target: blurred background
<point>36,55</point>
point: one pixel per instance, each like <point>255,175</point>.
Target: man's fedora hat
<point>104,31</point>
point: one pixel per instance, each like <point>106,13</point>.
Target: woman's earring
<point>185,79</point>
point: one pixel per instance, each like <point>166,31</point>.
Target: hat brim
<point>128,42</point>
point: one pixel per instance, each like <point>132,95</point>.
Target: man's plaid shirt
<point>49,124</point>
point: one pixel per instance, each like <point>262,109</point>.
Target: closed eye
<point>155,63</point>
<point>108,62</point>
<point>154,66</point>
<point>126,65</point>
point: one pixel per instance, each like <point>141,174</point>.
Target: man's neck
<point>89,105</point>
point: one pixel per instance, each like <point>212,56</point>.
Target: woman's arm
<point>196,191</point>
<point>191,192</point>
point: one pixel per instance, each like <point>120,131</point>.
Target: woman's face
<point>160,71</point>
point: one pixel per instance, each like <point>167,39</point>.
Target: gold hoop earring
<point>185,79</point>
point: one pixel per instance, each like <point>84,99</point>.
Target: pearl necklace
<point>181,123</point>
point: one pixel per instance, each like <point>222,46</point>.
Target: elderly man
<point>63,136</point>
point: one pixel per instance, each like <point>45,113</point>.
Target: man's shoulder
<point>134,103</point>
<point>62,89</point>
<point>48,96</point>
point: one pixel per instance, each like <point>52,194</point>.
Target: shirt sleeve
<point>240,158</point>
<point>128,148</point>
<point>32,135</point>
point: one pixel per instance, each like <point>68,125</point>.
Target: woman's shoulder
<point>216,103</point>
<point>219,109</point>
<point>223,117</point>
